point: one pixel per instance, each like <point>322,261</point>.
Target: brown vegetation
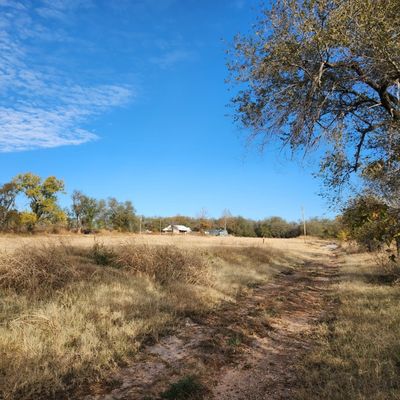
<point>71,314</point>
<point>356,351</point>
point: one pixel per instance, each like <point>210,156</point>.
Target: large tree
<point>86,210</point>
<point>121,216</point>
<point>325,73</point>
<point>42,196</point>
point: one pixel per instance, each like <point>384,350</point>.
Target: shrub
<point>101,255</point>
<point>165,264</point>
<point>36,269</point>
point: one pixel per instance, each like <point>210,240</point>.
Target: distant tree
<point>77,208</point>
<point>263,229</point>
<point>240,226</point>
<point>85,210</point>
<point>101,218</point>
<point>42,196</point>
<point>154,224</point>
<point>8,213</point>
<point>121,216</point>
<point>323,227</point>
<point>224,220</point>
<point>278,227</point>
<point>325,72</point>
<point>203,221</point>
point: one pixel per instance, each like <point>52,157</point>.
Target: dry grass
<point>69,314</point>
<point>357,355</point>
<point>165,264</point>
<point>36,270</point>
<point>10,242</point>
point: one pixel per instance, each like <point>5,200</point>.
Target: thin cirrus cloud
<point>39,106</point>
<point>27,127</point>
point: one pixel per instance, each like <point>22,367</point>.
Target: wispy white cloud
<point>60,9</point>
<point>41,107</point>
<point>26,126</point>
<point>29,128</point>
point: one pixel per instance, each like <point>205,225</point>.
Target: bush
<point>165,264</point>
<point>101,255</point>
<point>37,270</point>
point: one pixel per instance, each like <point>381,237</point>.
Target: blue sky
<point>128,98</point>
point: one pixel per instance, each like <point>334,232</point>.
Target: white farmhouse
<point>177,229</point>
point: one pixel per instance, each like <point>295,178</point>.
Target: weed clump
<point>187,388</point>
<point>102,255</point>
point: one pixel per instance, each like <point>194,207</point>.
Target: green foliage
<point>235,340</point>
<point>28,220</point>
<point>121,216</point>
<point>85,210</point>
<point>277,227</point>
<point>8,213</point>
<point>42,196</point>
<point>187,388</point>
<point>102,255</point>
<point>240,226</point>
<point>88,214</point>
<point>323,227</point>
<point>371,222</point>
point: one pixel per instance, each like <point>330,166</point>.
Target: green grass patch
<point>187,388</point>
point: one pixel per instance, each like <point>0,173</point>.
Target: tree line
<point>366,219</point>
<point>87,214</point>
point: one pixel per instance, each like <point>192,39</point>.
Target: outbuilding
<point>217,232</point>
<point>177,229</point>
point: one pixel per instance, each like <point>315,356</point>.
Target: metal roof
<point>177,227</point>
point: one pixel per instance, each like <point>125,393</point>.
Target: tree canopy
<point>42,195</point>
<point>325,74</point>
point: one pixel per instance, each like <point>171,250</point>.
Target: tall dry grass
<point>69,314</point>
<point>357,347</point>
<point>165,264</point>
<point>37,271</point>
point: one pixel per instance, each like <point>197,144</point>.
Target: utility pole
<point>160,227</point>
<point>304,223</point>
<point>140,225</point>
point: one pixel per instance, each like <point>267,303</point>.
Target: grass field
<point>357,345</point>
<point>12,242</point>
<point>74,308</point>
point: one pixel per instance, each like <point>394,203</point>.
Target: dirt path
<point>244,351</point>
